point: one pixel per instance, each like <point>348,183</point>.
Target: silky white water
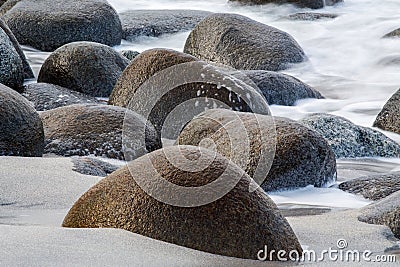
<point>346,63</point>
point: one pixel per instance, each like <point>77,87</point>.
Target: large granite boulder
<point>48,24</point>
<point>278,153</point>
<point>278,88</point>
<point>315,4</point>
<point>389,118</point>
<point>153,23</point>
<point>21,130</point>
<point>11,66</point>
<point>242,43</point>
<point>85,67</point>
<point>45,96</point>
<point>349,140</point>
<point>236,223</point>
<point>28,73</point>
<point>192,86</point>
<point>373,187</point>
<point>82,130</point>
<point>384,212</point>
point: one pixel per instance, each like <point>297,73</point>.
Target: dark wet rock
<point>315,4</point>
<point>48,24</point>
<point>197,84</point>
<point>47,96</point>
<point>389,118</point>
<point>21,130</point>
<point>27,69</point>
<point>349,140</point>
<point>242,43</point>
<point>310,16</point>
<point>129,54</point>
<point>11,67</point>
<point>373,187</point>
<point>82,130</point>
<point>236,224</point>
<point>384,212</point>
<point>393,34</point>
<point>153,23</point>
<point>93,166</point>
<point>278,88</point>
<point>282,153</point>
<point>85,67</point>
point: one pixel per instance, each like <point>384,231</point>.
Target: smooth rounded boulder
<point>278,153</point>
<point>384,212</point>
<point>278,88</point>
<point>85,67</point>
<point>45,96</point>
<point>21,130</point>
<point>238,224</point>
<point>349,140</point>
<point>164,85</point>
<point>389,118</point>
<point>82,130</point>
<point>314,4</point>
<point>28,73</point>
<point>141,68</point>
<point>48,24</point>
<point>242,43</point>
<point>11,66</point>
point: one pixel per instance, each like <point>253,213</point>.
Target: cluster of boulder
<point>211,100</point>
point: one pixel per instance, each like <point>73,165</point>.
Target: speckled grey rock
<point>21,130</point>
<point>310,16</point>
<point>315,4</point>
<point>93,166</point>
<point>373,187</point>
<point>384,212</point>
<point>190,82</point>
<point>49,24</point>
<point>11,67</point>
<point>242,43</point>
<point>153,23</point>
<point>238,224</point>
<point>352,141</point>
<point>300,156</point>
<point>45,96</point>
<point>389,118</point>
<point>7,5</point>
<point>82,130</point>
<point>86,67</point>
<point>129,54</point>
<point>278,88</point>
<point>27,69</point>
<point>393,34</point>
